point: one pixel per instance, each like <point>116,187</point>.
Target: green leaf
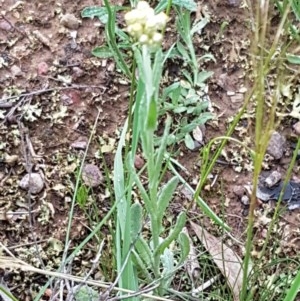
<point>152,115</point>
<point>82,195</point>
<point>119,182</point>
<point>102,52</point>
<point>5,293</point>
<point>142,190</point>
<point>86,293</point>
<point>187,4</point>
<point>181,49</point>
<point>184,247</point>
<point>172,91</point>
<point>167,259</point>
<point>294,289</point>
<point>188,77</point>
<point>203,76</point>
<point>199,26</point>
<point>142,267</point>
<point>169,54</point>
<point>189,142</point>
<point>293,59</point>
<point>172,235</point>
<point>99,11</point>
<point>144,251</point>
<point>163,145</point>
<point>136,220</point>
<point>180,109</point>
<point>296,8</point>
<point>165,195</point>
<point>95,11</point>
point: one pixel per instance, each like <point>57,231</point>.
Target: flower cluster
<point>144,25</point>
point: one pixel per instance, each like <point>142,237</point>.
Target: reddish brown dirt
<point>95,86</point>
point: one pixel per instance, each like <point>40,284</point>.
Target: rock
<point>32,182</point>
<point>77,72</point>
<point>70,21</point>
<point>237,98</point>
<point>11,160</point>
<point>138,162</point>
<point>197,134</point>
<point>245,200</point>
<point>273,179</point>
<point>4,25</point>
<point>42,68</point>
<point>80,143</point>
<point>239,190</point>
<point>91,175</point>
<point>296,128</point>
<point>16,71</point>
<point>243,90</point>
<point>276,146</point>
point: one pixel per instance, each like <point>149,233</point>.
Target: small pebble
<point>296,128</point>
<point>70,21</point>
<point>16,71</point>
<point>239,190</point>
<point>276,146</point>
<point>243,90</point>
<point>138,162</point>
<point>230,93</point>
<point>11,160</point>
<point>273,179</point>
<point>32,182</point>
<point>4,25</point>
<point>237,98</point>
<point>91,175</point>
<point>42,68</point>
<point>245,200</point>
<point>197,134</point>
<point>77,72</point>
<point>80,143</point>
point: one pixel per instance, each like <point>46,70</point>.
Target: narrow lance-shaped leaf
<point>165,196</point>
<point>143,192</point>
<point>294,289</point>
<point>189,142</point>
<point>137,260</point>
<point>167,259</point>
<point>136,220</point>
<point>144,251</point>
<point>184,247</point>
<point>162,149</point>
<point>293,59</point>
<point>172,235</point>
<point>187,4</point>
<point>183,51</point>
<point>152,115</point>
<point>102,52</point>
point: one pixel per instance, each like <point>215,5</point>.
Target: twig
<point>28,167</point>
<point>138,293</point>
<point>12,263</point>
<point>29,243</point>
<point>24,34</point>
<point>37,92</point>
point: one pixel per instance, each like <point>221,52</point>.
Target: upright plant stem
<point>131,101</point>
<point>169,7</point>
<point>112,38</point>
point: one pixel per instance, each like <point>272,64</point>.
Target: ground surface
<point>38,131</point>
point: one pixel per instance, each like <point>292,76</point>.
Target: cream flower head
<point>144,25</point>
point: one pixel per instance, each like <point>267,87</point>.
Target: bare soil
<point>38,53</point>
